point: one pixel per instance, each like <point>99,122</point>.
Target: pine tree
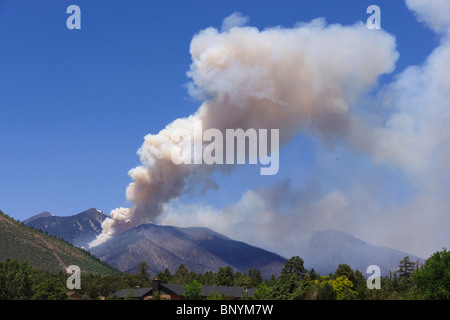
<point>405,268</point>
<point>225,276</point>
<point>255,277</point>
<point>143,271</point>
<point>181,274</point>
<point>294,266</point>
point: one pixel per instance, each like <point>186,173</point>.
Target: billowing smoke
<point>434,13</point>
<point>302,79</point>
<point>412,138</point>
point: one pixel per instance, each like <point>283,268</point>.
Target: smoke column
<point>302,79</point>
<point>408,139</point>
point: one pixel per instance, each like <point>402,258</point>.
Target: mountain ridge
<point>43,251</point>
<point>78,229</point>
<point>37,216</point>
<point>338,247</point>
<point>166,246</point>
<point>200,249</point>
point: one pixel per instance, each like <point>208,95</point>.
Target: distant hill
<point>79,229</point>
<point>330,248</point>
<point>44,252</point>
<point>199,249</point>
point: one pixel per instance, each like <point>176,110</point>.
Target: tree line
<point>19,280</point>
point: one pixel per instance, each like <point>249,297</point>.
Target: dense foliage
<point>19,280</point>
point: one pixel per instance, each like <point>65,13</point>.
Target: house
<point>176,292</point>
<point>74,295</point>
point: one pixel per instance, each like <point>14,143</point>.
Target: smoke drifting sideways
<point>410,137</point>
<point>298,80</point>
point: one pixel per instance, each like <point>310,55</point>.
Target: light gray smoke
<point>301,79</point>
<point>413,139</point>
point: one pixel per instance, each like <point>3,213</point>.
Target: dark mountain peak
<point>37,216</point>
<point>200,249</point>
<point>79,229</point>
<point>91,213</point>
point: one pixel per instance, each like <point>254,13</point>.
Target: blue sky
<point>75,105</point>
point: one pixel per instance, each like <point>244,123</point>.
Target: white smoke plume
<point>434,13</point>
<point>234,20</point>
<point>416,133</point>
<point>413,137</point>
<point>302,79</point>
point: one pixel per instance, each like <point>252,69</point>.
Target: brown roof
<point>74,295</point>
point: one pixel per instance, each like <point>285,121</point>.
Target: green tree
<point>215,296</point>
<point>242,280</point>
<point>156,296</point>
<point>262,292</point>
<point>345,270</point>
<point>16,279</point>
<point>143,272</point>
<point>165,276</point>
<point>404,282</point>
<point>360,284</point>
<point>107,285</point>
<point>91,286</point>
<point>433,279</point>
<point>225,276</point>
<point>326,292</point>
<point>193,290</point>
<point>191,276</point>
<point>341,285</point>
<point>388,291</point>
<point>181,274</point>
<point>355,277</point>
<point>313,275</point>
<point>255,277</point>
<point>294,266</point>
<point>307,290</point>
<point>130,280</point>
<point>405,268</point>
<point>284,287</point>
<point>129,295</point>
<point>290,279</point>
<point>50,288</point>
<point>209,278</point>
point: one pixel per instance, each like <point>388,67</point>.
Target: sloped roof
<point>237,292</point>
<point>137,292</point>
<point>178,289</point>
